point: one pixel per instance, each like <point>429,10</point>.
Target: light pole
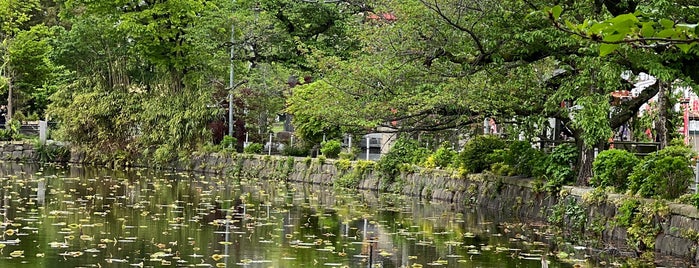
<point>230,84</point>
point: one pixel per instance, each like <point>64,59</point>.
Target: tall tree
<point>445,64</point>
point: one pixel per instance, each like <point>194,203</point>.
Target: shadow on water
<point>53,216</point>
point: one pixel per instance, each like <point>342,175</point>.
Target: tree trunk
<point>661,124</point>
<point>584,166</point>
<point>8,116</point>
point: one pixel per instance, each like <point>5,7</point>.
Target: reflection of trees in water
<point>250,219</point>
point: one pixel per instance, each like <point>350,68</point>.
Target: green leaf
<point>666,33</point>
<point>667,24</point>
<point>624,18</point>
<point>685,47</point>
<point>647,30</point>
<point>556,12</point>
<point>599,27</point>
<point>614,37</point>
<point>605,49</point>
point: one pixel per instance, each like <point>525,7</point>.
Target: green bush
<point>626,212</point>
<point>444,156</point>
<point>664,174</point>
<point>11,132</point>
<point>295,151</point>
<point>228,142</point>
<point>690,199</point>
<point>612,168</point>
<point>331,148</point>
<point>522,157</point>
<point>253,148</point>
<point>478,153</point>
<point>404,151</point>
<point>51,152</point>
<point>556,169</point>
<point>503,169</point>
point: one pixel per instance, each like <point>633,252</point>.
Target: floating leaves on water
<point>562,255</point>
<point>17,253</point>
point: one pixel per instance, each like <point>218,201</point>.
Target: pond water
<point>53,216</point>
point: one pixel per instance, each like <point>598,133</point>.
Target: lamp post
<point>230,84</point>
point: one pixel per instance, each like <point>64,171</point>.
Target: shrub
<point>478,153</point>
<point>11,132</point>
<point>253,148</point>
<point>503,169</point>
<point>612,168</point>
<point>664,174</point>
<point>522,157</point>
<point>228,142</point>
<point>295,151</point>
<point>51,152</point>
<point>347,156</point>
<point>690,199</point>
<point>444,156</point>
<point>404,151</point>
<point>557,167</point>
<point>331,148</point>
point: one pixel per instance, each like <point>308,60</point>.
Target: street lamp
<point>230,84</point>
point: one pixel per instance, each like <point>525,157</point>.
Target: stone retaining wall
<point>17,151</point>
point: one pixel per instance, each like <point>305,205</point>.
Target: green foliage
<point>636,28</point>
<point>522,157</point>
<point>313,113</point>
<point>612,168</point>
<point>51,152</point>
<point>343,164</point>
<point>295,151</point>
<point>253,148</point>
<point>556,169</point>
<point>626,212</point>
<point>641,222</point>
<point>690,199</point>
<point>593,119</point>
<point>404,152</point>
<point>352,179</point>
<point>331,148</point>
<point>11,131</point>
<point>503,169</point>
<point>663,174</point>
<point>480,153</point>
<point>228,142</point>
<point>568,212</point>
<point>27,66</point>
<point>445,156</point>
<point>348,155</point>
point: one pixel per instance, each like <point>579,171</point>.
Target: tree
<point>444,65</point>
<point>152,67</point>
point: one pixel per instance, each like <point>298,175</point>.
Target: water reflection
<point>90,217</point>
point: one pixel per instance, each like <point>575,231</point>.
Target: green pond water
<point>89,217</point>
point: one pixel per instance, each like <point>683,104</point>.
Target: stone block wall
<point>17,151</point>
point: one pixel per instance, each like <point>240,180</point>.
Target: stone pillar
<point>43,129</point>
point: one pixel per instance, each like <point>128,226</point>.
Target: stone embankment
<point>17,151</point>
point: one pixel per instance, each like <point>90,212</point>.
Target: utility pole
<point>230,84</point>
